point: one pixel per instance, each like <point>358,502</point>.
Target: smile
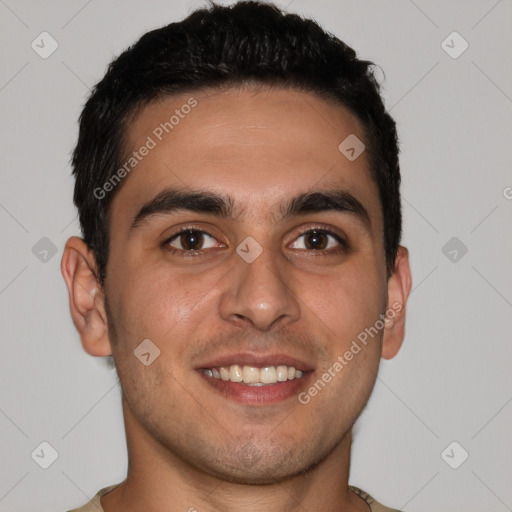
<point>252,375</point>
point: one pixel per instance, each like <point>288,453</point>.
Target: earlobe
<point>86,298</point>
<point>399,287</point>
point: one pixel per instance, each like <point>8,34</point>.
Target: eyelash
<point>343,245</point>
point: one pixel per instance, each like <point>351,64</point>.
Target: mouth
<point>256,380</point>
<point>254,376</point>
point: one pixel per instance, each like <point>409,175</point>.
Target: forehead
<point>259,146</point>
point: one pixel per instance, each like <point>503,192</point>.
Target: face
<point>276,261</point>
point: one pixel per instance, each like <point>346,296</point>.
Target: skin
<point>189,446</point>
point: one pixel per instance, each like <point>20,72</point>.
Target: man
<point>237,181</point>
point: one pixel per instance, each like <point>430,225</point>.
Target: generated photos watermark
<point>355,348</point>
<point>157,135</point>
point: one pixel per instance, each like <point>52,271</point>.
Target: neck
<point>158,479</point>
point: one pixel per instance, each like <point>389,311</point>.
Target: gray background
<point>452,379</point>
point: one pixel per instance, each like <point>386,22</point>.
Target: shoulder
<point>94,504</point>
<point>375,506</point>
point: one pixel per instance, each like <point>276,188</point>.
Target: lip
<point>256,360</point>
<point>258,395</point>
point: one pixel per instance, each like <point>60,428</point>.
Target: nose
<point>259,293</point>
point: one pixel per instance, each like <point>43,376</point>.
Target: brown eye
<point>191,240</point>
<point>318,240</point>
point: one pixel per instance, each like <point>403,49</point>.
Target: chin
<point>252,467</point>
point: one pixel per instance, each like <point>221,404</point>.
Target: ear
<point>86,297</point>
<point>399,287</point>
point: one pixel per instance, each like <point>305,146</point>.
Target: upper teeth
<point>254,376</point>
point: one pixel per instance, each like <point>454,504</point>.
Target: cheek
<point>343,307</point>
<point>346,302</point>
<point>161,303</point>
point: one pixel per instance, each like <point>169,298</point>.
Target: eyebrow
<point>202,201</point>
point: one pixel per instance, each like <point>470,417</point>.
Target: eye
<point>319,240</point>
<point>191,240</point>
